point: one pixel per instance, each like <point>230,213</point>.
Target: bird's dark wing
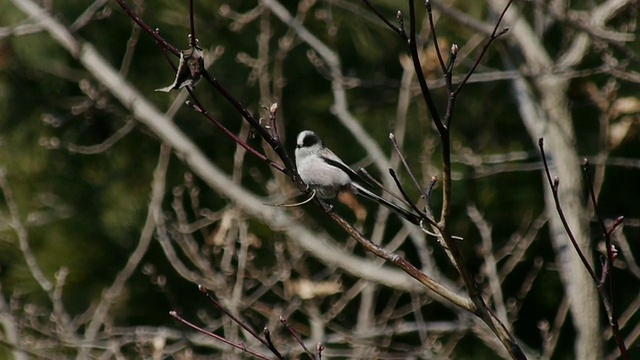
<point>342,166</point>
<point>411,217</point>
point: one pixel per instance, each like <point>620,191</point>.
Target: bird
<point>327,175</point>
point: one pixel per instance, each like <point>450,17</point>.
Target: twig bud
<point>614,252</point>
<point>454,49</point>
<point>618,221</point>
<point>615,224</point>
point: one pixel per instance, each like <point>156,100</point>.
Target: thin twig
<point>432,27</point>
<point>23,236</point>
<point>154,34</point>
<point>213,81</point>
<point>295,335</point>
<point>272,347</point>
<point>404,194</point>
<point>219,306</point>
<point>396,147</point>
<point>426,93</point>
<point>193,41</point>
<point>554,191</point>
<point>106,144</point>
<point>319,350</point>
<point>398,29</point>
<point>239,346</point>
<point>199,108</point>
<point>494,35</point>
<point>608,299</point>
<point>369,178</point>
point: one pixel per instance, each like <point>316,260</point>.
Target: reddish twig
<point>197,107</point>
<point>264,133</point>
<point>554,191</point>
<point>607,273</point>
<point>606,300</point>
<point>494,35</point>
<point>154,34</point>
<point>238,346</point>
<point>319,350</point>
<point>219,306</point>
<point>295,335</point>
<point>273,126</point>
<point>272,347</point>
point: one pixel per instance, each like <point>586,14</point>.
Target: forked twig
<point>607,297</point>
<point>442,126</point>
<point>238,346</point>
<point>494,35</point>
<point>255,124</point>
<point>199,108</point>
<point>556,198</point>
<point>396,147</point>
<point>607,273</point>
<point>319,350</point>
<point>219,306</point>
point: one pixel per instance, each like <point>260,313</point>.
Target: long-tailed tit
<point>327,175</point>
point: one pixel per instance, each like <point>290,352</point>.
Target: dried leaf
<point>189,69</point>
<point>307,289</point>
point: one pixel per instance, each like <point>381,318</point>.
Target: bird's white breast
<point>325,179</point>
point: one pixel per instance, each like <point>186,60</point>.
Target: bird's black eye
<point>310,140</point>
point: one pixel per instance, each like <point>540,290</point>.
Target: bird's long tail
<point>411,217</point>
